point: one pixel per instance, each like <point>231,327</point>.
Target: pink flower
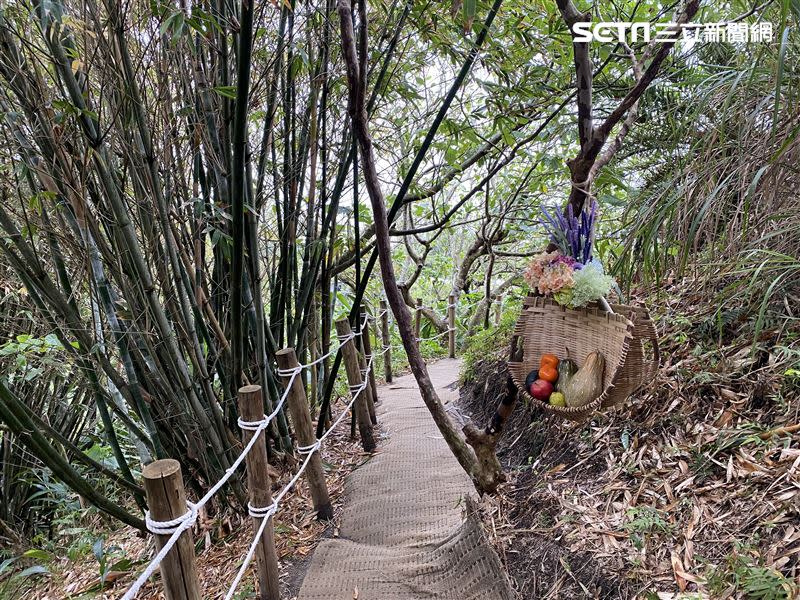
<point>550,272</point>
<point>537,267</point>
<point>557,276</point>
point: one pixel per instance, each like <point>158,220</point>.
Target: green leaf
<point>469,9</point>
<point>38,554</point>
<point>6,564</point>
<point>123,564</point>
<point>97,548</point>
<point>34,570</point>
<point>226,91</point>
<point>779,77</point>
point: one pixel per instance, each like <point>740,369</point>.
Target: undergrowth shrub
<point>488,344</point>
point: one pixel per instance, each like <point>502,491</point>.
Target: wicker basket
<point>546,327</point>
<point>641,363</point>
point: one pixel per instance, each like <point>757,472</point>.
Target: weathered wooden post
<point>387,343</point>
<point>350,357</point>
<point>362,365</point>
<point>498,308</point>
<point>451,324</point>
<point>301,419</point>
<point>259,486</point>
<point>367,344</point>
<point>418,318</point>
<point>166,498</point>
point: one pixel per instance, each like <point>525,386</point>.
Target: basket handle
<point>604,303</point>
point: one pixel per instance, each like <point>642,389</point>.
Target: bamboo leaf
<point>226,91</point>
<point>470,7</point>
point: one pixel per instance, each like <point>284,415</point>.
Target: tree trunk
<point>486,474</point>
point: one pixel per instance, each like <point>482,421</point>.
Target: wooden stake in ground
<point>362,364</point>
<point>451,325</point>
<point>367,343</point>
<point>166,498</point>
<point>251,408</point>
<point>387,343</point>
<point>350,358</point>
<point>301,419</point>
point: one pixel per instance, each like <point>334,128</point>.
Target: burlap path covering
<point>404,534</point>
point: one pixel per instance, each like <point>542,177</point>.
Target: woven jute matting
<point>404,534</point>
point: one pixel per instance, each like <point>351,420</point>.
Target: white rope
<point>445,332</point>
<point>342,340</point>
<point>287,372</point>
<point>262,511</point>
<point>255,426</point>
<point>175,527</point>
<point>270,510</point>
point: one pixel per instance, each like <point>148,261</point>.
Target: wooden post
<point>301,419</point>
<point>362,365</point>
<point>367,343</point>
<point>498,308</point>
<point>350,357</point>
<point>166,498</point>
<point>418,318</point>
<point>387,343</point>
<point>451,324</point>
<point>259,486</point>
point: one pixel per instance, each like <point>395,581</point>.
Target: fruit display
<point>561,383</point>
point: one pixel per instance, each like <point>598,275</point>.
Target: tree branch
<point>583,71</point>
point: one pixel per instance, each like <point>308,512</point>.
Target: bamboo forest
<point>399,299</point>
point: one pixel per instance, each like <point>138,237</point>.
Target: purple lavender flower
<point>574,236</point>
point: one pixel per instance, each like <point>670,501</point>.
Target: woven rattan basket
<point>643,358</point>
<point>545,327</point>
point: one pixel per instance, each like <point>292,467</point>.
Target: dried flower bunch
<point>571,274</point>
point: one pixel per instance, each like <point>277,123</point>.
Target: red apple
<point>541,389</point>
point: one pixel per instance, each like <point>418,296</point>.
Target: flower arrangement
<point>571,274</point>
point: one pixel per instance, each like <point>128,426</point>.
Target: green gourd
<point>587,383</point>
<point>566,370</point>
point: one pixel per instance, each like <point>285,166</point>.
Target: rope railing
<point>267,512</point>
<point>437,336</point>
<point>359,380</point>
<point>177,526</point>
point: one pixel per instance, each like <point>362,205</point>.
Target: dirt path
<point>403,531</point>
